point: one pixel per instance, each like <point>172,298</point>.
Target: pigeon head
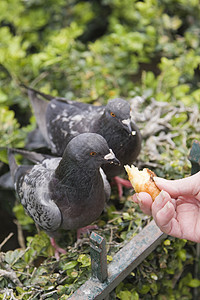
<point>88,149</point>
<point>118,110</point>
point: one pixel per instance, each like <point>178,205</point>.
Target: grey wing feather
<point>34,193</point>
<point>35,140</point>
<point>40,108</point>
<point>67,120</point>
<point>30,155</point>
<point>6,181</point>
<point>12,163</point>
<point>107,187</point>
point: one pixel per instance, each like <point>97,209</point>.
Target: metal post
<point>98,256</point>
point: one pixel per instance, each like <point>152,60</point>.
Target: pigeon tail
<point>12,163</point>
<point>40,107</point>
<point>30,155</point>
<point>46,96</point>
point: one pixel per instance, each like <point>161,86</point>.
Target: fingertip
<point>159,203</point>
<point>163,197</point>
<point>141,197</point>
<point>160,182</point>
<point>165,214</point>
<point>168,206</point>
<point>134,198</point>
<point>145,196</point>
<point>145,202</point>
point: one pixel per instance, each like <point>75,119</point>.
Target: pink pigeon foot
<point>120,182</point>
<point>57,249</point>
<point>85,229</point>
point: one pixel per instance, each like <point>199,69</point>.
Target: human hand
<point>176,210</point>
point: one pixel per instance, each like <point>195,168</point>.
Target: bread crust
<point>142,181</point>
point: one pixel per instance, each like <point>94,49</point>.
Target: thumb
<point>184,186</point>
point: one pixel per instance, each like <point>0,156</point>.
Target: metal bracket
<point>98,256</point>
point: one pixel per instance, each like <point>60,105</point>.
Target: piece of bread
<point>142,181</point>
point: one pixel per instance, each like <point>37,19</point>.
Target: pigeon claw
<point>58,250</point>
<point>85,229</point>
<point>120,182</point>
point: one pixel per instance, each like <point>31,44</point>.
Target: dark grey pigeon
<point>60,120</point>
<point>68,192</point>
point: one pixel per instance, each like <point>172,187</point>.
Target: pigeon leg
<point>86,229</point>
<point>120,182</point>
<point>57,249</point>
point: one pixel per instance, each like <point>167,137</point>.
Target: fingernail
<point>166,207</point>
<point>158,179</point>
<point>161,196</point>
<point>155,178</point>
<point>162,193</point>
<point>139,200</point>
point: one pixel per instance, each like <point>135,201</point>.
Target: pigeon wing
<point>67,120</point>
<point>33,190</point>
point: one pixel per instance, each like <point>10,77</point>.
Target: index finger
<point>145,202</point>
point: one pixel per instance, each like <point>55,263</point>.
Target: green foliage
<point>22,217</point>
<point>11,135</point>
<point>140,35</point>
<point>9,127</point>
<point>147,282</point>
<point>93,51</point>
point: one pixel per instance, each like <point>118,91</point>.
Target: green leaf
<point>194,283</point>
<point>84,260</point>
<point>125,295</point>
<point>21,216</point>
<point>144,289</point>
<point>167,242</point>
<point>182,254</point>
<point>154,276</point>
<point>3,156</point>
<point>70,265</point>
<point>12,257</point>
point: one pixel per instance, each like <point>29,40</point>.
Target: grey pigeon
<point>68,192</point>
<point>60,120</point>
<point>35,140</point>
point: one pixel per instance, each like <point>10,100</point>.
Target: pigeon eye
<point>93,153</point>
<point>112,114</point>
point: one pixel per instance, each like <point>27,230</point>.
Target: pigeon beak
<point>127,126</point>
<point>111,158</point>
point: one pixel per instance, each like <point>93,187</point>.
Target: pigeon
<point>67,192</point>
<point>35,140</point>
<point>59,120</point>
